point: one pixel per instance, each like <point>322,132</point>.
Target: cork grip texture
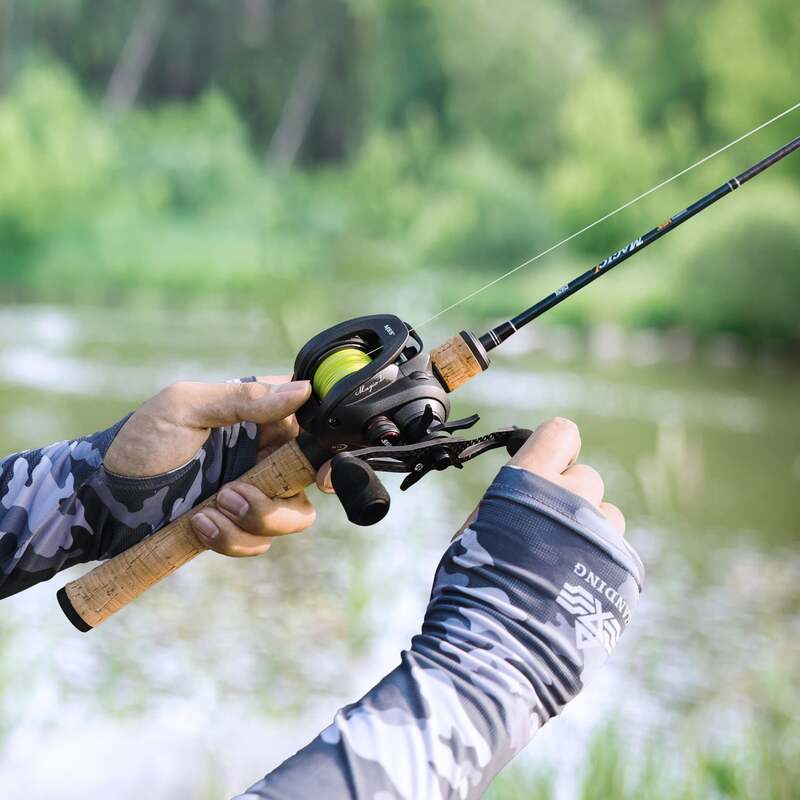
<point>455,363</point>
<point>112,585</point>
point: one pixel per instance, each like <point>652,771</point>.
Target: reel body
<point>393,399</point>
<point>379,405</point>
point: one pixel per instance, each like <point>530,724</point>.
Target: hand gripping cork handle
<point>93,598</point>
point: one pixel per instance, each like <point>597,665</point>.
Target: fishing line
<point>606,216</point>
<point>336,366</point>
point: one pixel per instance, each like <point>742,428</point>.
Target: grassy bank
<point>765,767</point>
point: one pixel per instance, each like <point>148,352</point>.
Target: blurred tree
<point>404,75</point>
<point>751,57</point>
<point>126,79</point>
<point>264,54</point>
<point>167,142</point>
<point>608,157</point>
<point>509,72</point>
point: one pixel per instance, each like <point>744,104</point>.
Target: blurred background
<point>193,189</point>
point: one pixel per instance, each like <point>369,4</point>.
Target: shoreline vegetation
<point>191,188</point>
<point>756,768</point>
<point>171,206</point>
<point>603,342</point>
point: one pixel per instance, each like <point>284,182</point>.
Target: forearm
<point>526,604</point>
<point>59,506</point>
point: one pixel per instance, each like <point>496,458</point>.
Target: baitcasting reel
<point>380,404</point>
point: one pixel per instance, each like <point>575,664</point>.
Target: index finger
<point>212,405</point>
<point>551,448</point>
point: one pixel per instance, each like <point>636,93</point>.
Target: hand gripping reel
<point>379,405</point>
<point>363,495</point>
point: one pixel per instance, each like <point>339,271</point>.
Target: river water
<point>221,672</point>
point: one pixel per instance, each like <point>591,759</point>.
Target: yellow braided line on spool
<point>336,366</point>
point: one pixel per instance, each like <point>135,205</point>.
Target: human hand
<point>552,451</point>
<point>527,604</point>
<point>171,430</point>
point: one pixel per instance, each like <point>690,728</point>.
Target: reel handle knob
<point>517,439</point>
<point>360,491</point>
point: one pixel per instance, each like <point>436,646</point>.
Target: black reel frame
<point>397,386</point>
<point>363,495</point>
<point>389,416</point>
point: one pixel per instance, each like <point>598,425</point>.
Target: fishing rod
<point>380,403</point>
<point>499,334</point>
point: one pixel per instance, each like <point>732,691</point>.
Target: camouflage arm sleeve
<point>59,506</point>
<point>526,604</point>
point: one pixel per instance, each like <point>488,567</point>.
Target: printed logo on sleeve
<point>594,626</point>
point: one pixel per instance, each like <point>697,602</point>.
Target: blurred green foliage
<point>764,765</point>
<point>223,152</point>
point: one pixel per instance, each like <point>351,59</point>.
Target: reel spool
<point>373,384</point>
<point>361,493</point>
<point>336,366</point>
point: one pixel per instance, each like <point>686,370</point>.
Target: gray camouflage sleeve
<point>59,506</point>
<point>526,604</point>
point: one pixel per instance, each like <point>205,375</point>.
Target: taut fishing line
<point>346,360</point>
<point>607,216</point>
<point>389,413</point>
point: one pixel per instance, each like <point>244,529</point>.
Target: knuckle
<point>241,394</point>
<point>267,523</point>
<point>567,426</point>
<point>588,471</point>
<point>174,392</point>
<point>614,515</point>
<point>615,510</point>
<point>589,474</point>
<point>221,544</point>
<point>239,389</point>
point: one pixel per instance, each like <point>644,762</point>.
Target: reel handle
<point>94,597</point>
<point>103,591</point>
<point>517,439</point>
<point>360,491</point>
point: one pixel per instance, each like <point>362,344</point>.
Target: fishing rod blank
<point>500,333</point>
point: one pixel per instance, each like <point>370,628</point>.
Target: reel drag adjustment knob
<point>360,491</point>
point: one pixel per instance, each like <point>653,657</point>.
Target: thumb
<point>213,405</point>
<point>551,448</point>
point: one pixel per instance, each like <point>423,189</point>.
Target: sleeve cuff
<point>527,489</point>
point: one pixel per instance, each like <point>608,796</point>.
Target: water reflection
<point>231,665</point>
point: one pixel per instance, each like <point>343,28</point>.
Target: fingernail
<point>233,502</point>
<point>293,387</point>
<point>204,526</point>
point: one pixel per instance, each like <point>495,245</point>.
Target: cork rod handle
<point>107,588</point>
<point>94,597</point>
<point>459,360</point>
